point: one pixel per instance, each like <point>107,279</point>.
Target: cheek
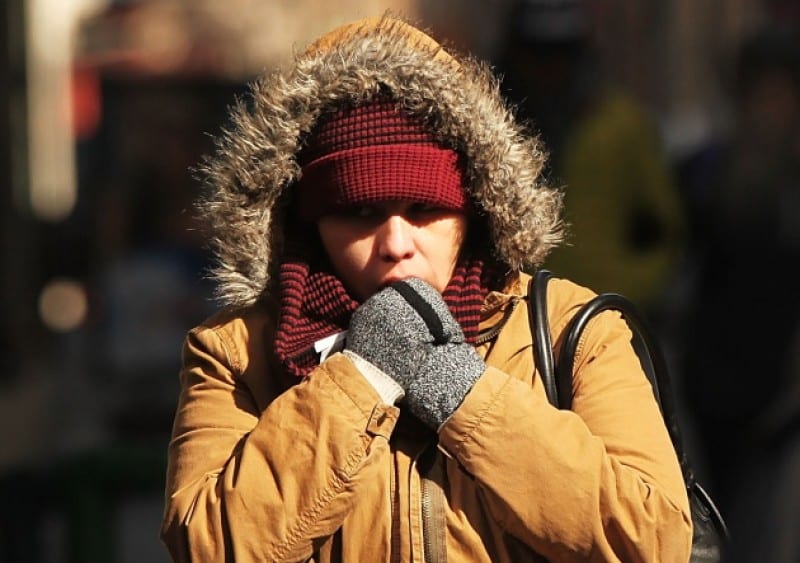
<point>348,253</point>
<point>456,241</point>
<point>446,246</point>
<point>349,257</point>
<point>351,262</point>
<point>456,230</point>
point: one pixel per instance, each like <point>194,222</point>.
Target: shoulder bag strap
<point>557,377</point>
<point>540,328</point>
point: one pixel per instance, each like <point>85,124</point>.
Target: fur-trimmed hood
<point>255,161</point>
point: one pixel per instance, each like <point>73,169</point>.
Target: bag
<point>710,532</point>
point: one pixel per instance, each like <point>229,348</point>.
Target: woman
<point>370,392</point>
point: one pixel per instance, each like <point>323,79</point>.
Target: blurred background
<point>674,124</point>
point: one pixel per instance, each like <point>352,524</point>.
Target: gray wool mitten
<point>407,331</point>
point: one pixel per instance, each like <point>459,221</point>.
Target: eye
<point>421,210</point>
<point>358,212</point>
<point>363,212</point>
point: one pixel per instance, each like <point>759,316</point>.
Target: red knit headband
<point>372,153</point>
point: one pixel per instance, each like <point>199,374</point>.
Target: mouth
<point>386,282</point>
<point>389,280</point>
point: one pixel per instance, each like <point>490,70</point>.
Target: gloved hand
<point>407,331</point>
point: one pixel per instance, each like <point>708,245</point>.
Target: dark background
<point>694,104</point>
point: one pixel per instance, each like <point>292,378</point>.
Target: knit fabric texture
<point>407,331</point>
<point>371,153</point>
<point>313,302</point>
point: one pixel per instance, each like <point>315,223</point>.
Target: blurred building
<point>106,106</point>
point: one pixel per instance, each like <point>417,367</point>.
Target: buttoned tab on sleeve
<point>251,485</point>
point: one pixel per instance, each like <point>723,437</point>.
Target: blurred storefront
<point>109,108</point>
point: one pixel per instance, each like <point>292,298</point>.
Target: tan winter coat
<point>263,467</point>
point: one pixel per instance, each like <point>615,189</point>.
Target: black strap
<point>557,377</point>
<point>650,355</point>
<point>423,309</point>
<point>540,328</point>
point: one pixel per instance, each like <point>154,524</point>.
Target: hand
<point>407,331</point>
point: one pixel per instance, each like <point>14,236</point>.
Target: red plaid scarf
<point>314,304</point>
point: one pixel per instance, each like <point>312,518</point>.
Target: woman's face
<point>375,245</point>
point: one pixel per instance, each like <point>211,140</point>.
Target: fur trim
<point>255,159</point>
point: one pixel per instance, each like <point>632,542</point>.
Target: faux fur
<point>255,165</point>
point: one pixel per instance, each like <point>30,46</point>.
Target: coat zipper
<point>432,507</point>
<point>491,333</point>
<point>395,538</point>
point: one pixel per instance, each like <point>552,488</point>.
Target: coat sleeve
<point>598,483</point>
<point>248,485</point>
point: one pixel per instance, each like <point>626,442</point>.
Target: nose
<point>395,239</point>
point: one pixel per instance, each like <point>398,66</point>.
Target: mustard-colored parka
<point>266,467</point>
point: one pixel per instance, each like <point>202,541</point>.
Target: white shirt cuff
<point>389,390</point>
